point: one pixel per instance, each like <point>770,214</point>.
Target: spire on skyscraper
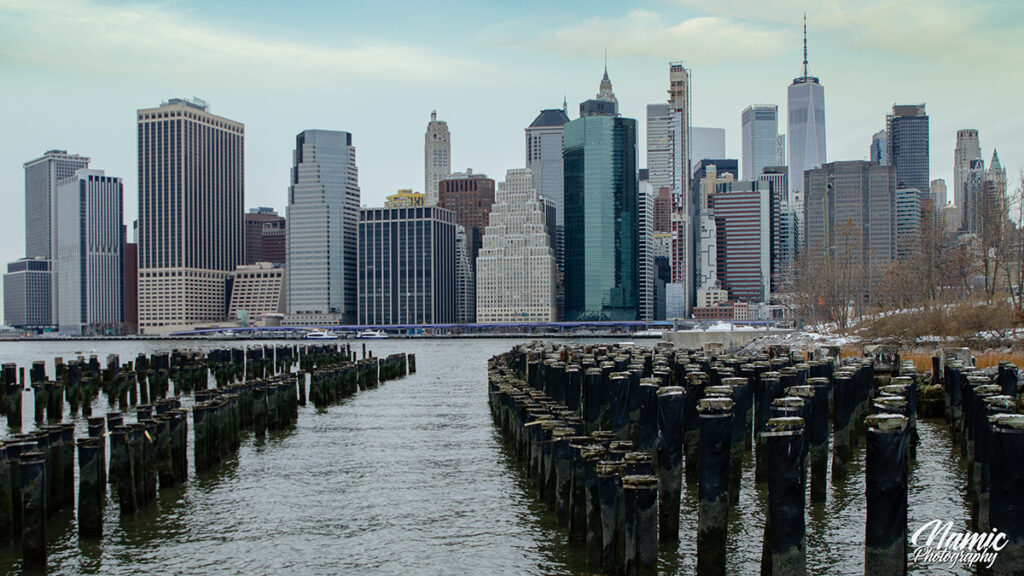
<point>605,92</point>
<point>995,165</point>
<point>805,78</point>
<point>805,45</point>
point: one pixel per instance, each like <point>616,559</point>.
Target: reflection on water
<point>413,478</point>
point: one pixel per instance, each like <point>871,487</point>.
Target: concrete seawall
<point>728,339</point>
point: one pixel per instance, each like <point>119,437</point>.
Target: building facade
<point>437,157</point>
<point>601,240</point>
<point>322,242</point>
<point>89,254</point>
<point>907,138</point>
<point>659,146</point>
<point>256,290</point>
<point>516,264</point>
<point>27,285</point>
<point>406,266</point>
<point>850,210</point>
<point>908,222</point>
<point>191,202</point>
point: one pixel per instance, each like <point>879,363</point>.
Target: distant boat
<point>321,335</point>
<point>372,334</point>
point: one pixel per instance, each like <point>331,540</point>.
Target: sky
<point>74,72</point>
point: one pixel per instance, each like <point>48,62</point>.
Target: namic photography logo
<point>936,542</point>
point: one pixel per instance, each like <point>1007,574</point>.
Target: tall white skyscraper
<point>968,149</point>
<point>515,269</point>
<point>42,176</point>
<point>89,265</point>
<point>645,251</point>
<point>437,156</point>
<point>683,213</point>
<point>322,231</point>
<point>659,146</point>
<point>191,207</point>
<point>806,107</point>
<point>760,128</point>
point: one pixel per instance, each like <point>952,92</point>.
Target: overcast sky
<point>73,73</point>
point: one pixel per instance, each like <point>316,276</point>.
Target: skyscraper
<point>679,105</point>
<point>88,262</point>
<point>645,250</point>
<point>323,220</point>
<point>907,135</point>
<point>784,249</point>
<point>41,178</point>
<point>437,156</point>
<point>406,265</point>
<point>806,107</point>
<point>760,127</point>
<point>544,144</point>
<point>968,149</point>
<point>600,212</point>
<point>516,265</point>
<point>706,143</point>
<point>682,219</point>
<point>544,156</point>
<point>191,201</point>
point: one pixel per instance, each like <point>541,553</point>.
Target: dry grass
<point>923,359</point>
<point>964,321</point>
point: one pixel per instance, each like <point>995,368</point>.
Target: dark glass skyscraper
<point>907,131</point>
<point>601,243</point>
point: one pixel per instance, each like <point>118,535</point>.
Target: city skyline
<point>178,56</point>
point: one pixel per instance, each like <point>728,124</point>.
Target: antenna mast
<point>805,46</point>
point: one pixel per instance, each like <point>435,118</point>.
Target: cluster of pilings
<point>256,389</point>
<point>609,434</point>
<point>148,454</point>
<point>334,381</point>
<point>981,408</point>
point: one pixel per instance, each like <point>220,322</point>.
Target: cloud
<point>151,41</point>
<point>701,41</point>
<point>945,31</point>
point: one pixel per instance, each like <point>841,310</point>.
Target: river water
<point>413,478</point>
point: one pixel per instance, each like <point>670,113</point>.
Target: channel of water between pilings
<point>555,406</point>
<point>229,392</point>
